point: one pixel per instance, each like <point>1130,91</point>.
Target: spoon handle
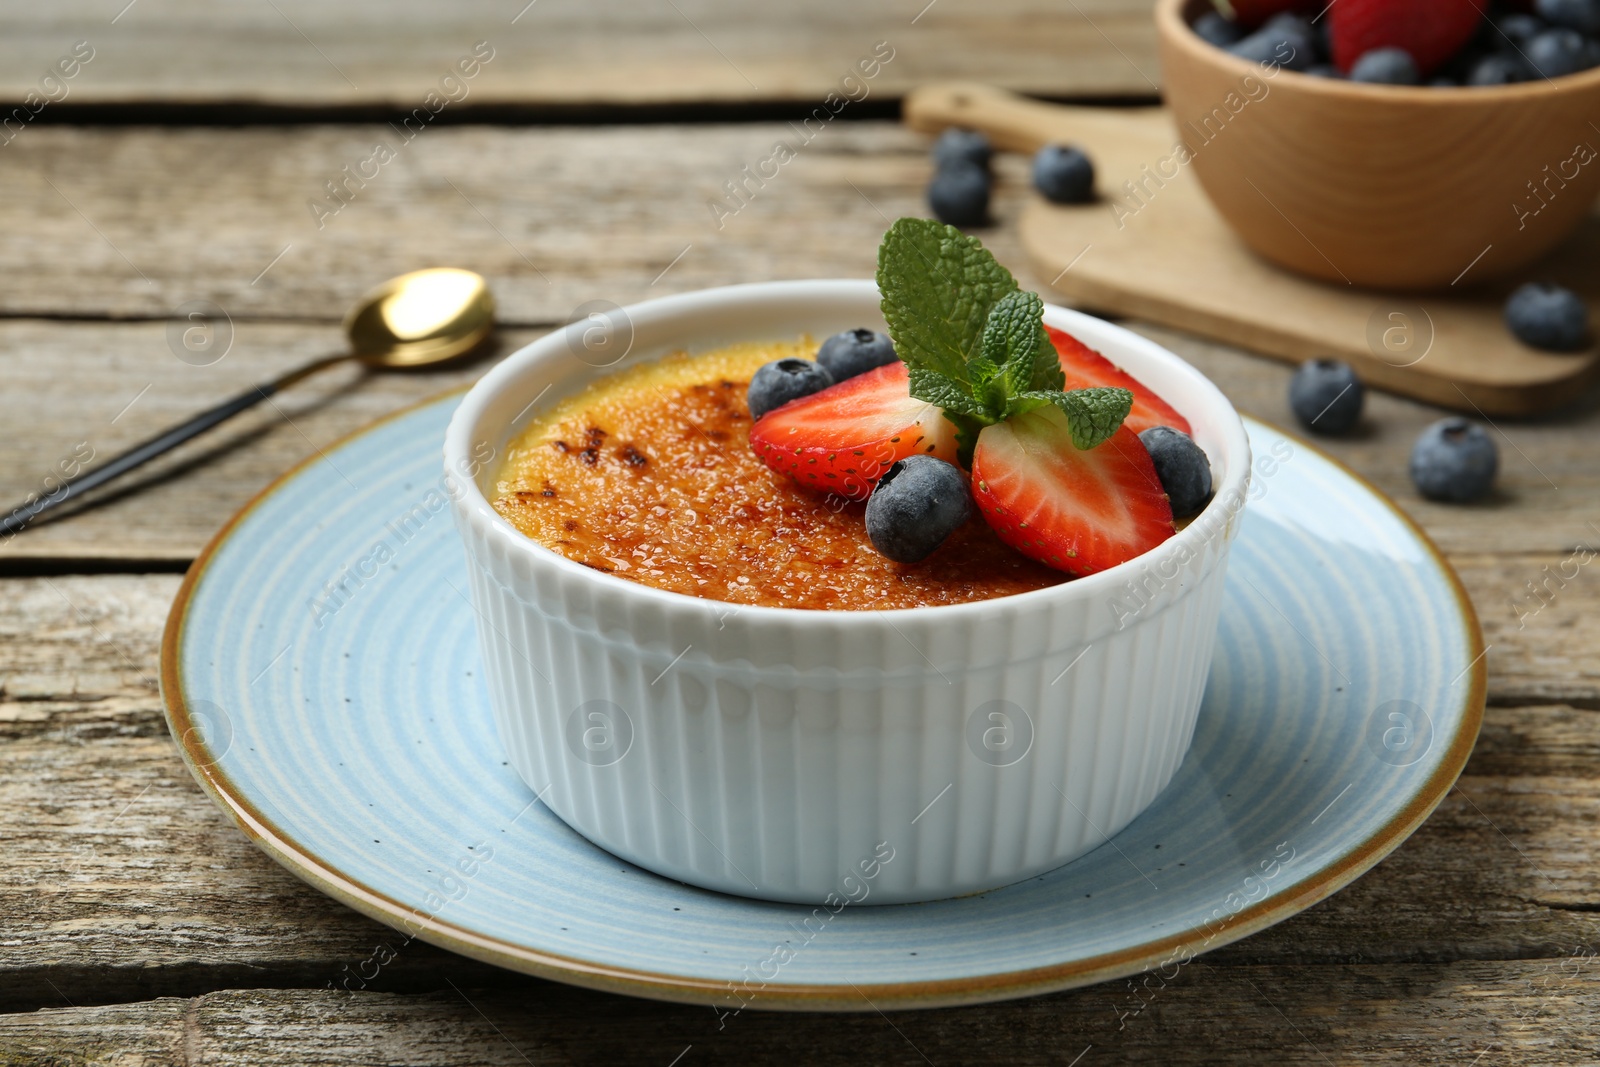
<point>136,456</point>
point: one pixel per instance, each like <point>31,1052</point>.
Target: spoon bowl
<point>420,319</point>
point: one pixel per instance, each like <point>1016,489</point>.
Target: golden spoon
<point>421,319</point>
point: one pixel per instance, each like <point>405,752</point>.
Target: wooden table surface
<point>137,925</point>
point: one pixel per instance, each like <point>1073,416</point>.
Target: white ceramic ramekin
<point>820,757</point>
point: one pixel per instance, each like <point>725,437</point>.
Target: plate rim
<point>325,876</point>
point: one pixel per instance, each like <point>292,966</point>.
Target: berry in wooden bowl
<point>1388,186</point>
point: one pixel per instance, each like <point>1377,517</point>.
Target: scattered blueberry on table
<point>1064,174</point>
<point>1182,466</point>
<point>916,505</point>
<point>956,145</point>
<point>1454,461</point>
<point>853,352</point>
<point>959,194</point>
<point>1326,396</point>
<point>783,380</point>
<point>1548,317</point>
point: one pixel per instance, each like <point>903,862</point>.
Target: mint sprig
<point>974,343</point>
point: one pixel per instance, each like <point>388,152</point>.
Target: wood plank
<point>601,212</point>
<point>1544,506</point>
<point>169,509</point>
<point>565,52</point>
<point>552,216</point>
<point>128,883</point>
<point>1529,1013</point>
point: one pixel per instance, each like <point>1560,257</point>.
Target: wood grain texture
<point>1371,1014</point>
<point>567,52</point>
<point>1545,503</point>
<point>551,216</point>
<point>153,932</point>
<point>1155,247</point>
<point>128,883</point>
<point>607,211</point>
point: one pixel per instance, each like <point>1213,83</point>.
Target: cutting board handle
<point>1013,123</point>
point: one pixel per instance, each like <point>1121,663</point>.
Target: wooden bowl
<point>1382,186</point>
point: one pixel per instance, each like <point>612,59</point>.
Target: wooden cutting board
<point>1164,255</point>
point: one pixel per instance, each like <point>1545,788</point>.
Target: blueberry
<point>1580,15</point>
<point>1222,32</point>
<point>845,355</point>
<point>1064,174</point>
<point>917,503</point>
<point>1498,69</point>
<point>962,146</point>
<point>1184,471</point>
<point>783,380</point>
<point>1288,20</point>
<point>1557,52</point>
<point>1516,28</point>
<point>1324,70</point>
<point>1386,66</point>
<point>959,194</point>
<point>1287,40</point>
<point>1454,460</point>
<point>1548,317</point>
<point>1326,396</point>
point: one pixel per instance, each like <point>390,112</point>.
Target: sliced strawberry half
<point>1077,511</point>
<point>1431,30</point>
<point>842,439</point>
<point>1085,368</point>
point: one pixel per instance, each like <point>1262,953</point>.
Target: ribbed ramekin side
<point>781,783</point>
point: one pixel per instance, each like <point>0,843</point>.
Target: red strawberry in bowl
<point>1430,30</point>
<point>1077,510</point>
<point>1086,368</point>
<point>842,439</point>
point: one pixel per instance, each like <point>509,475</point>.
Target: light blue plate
<point>321,672</point>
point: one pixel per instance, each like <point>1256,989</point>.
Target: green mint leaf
<point>1047,373</point>
<point>938,287</point>
<point>982,371</point>
<point>953,396</point>
<point>1012,338</point>
<point>1093,415</point>
<point>974,344</point>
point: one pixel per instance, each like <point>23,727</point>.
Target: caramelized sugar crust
<point>648,475</point>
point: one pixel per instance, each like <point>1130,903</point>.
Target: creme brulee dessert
<point>649,475</point>
<point>972,452</point>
